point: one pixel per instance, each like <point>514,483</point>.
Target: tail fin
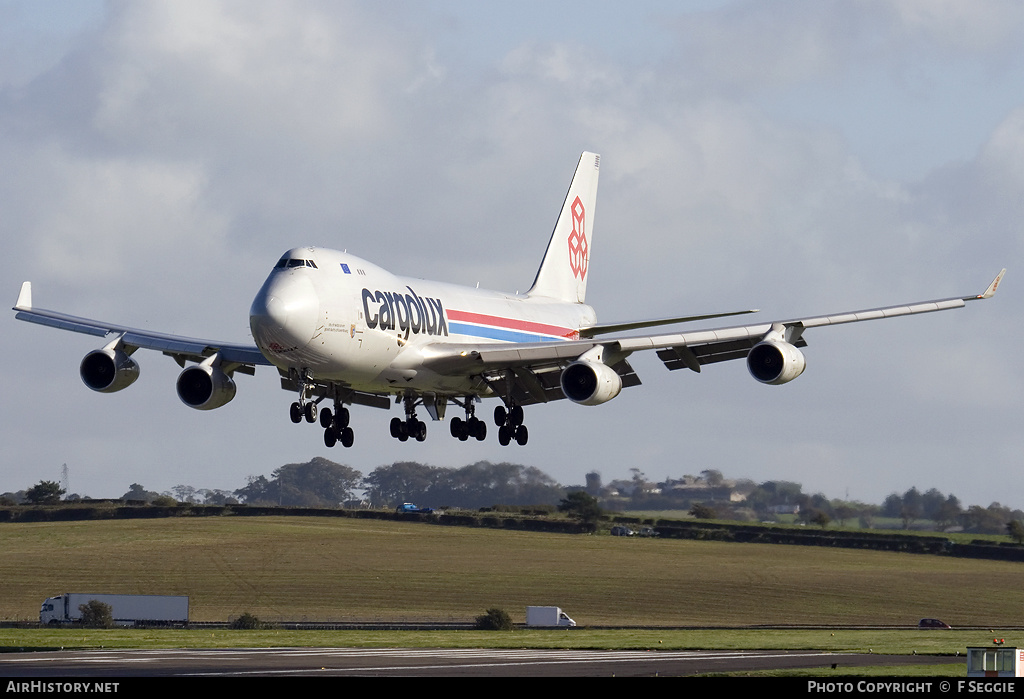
<point>563,272</point>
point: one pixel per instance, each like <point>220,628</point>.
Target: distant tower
<point>64,478</point>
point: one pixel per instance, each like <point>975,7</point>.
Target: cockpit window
<point>293,262</point>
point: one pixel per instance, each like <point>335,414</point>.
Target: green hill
<point>341,569</point>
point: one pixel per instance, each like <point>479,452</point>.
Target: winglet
<point>991,290</point>
<point>25,298</point>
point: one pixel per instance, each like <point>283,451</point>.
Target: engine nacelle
<point>775,362</point>
<point>205,387</point>
<point>590,382</point>
<point>109,369</point>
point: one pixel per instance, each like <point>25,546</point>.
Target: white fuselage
<point>344,319</point>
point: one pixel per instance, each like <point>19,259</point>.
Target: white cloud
<point>205,138</point>
<point>105,217</point>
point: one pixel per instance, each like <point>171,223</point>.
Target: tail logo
<point>578,241</point>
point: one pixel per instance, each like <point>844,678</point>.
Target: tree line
<point>323,483</point>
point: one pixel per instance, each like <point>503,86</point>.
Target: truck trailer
<point>126,610</point>
<point>547,616</point>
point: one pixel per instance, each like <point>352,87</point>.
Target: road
<point>399,662</point>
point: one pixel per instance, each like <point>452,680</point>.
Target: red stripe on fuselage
<point>512,324</point>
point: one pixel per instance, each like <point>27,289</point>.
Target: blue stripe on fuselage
<point>497,333</point>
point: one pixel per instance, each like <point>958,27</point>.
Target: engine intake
<point>590,382</point>
<point>109,369</point>
<point>205,387</point>
<point>775,362</point>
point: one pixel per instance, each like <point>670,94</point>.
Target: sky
<point>802,157</point>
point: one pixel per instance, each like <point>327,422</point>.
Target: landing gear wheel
<point>416,429</point>
<point>330,438</point>
<point>515,416</point>
<point>522,435</point>
<point>296,413</point>
<point>456,427</point>
<point>325,418</point>
<point>310,412</point>
<point>476,428</point>
<point>500,415</point>
<point>504,435</point>
<point>347,437</point>
<point>399,429</point>
<point>341,419</point>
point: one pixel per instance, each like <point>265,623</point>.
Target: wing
<point>531,372</point>
<point>234,357</point>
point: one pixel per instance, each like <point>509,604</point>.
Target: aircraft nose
<point>284,314</point>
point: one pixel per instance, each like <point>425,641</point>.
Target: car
<point>619,530</point>
<point>932,624</point>
<point>409,507</point>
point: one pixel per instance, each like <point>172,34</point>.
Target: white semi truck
<point>126,610</point>
<point>547,616</point>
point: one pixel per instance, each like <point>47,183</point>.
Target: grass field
<point>321,569</point>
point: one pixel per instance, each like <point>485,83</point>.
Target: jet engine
<point>205,387</point>
<point>590,382</point>
<point>775,362</point>
<point>109,369</point>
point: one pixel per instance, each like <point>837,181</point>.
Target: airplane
<point>341,329</point>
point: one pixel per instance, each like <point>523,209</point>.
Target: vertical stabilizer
<point>563,272</point>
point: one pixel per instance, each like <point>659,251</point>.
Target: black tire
<point>456,427</point>
<point>342,419</point>
<point>500,415</point>
<point>325,418</point>
<point>348,437</point>
<point>330,438</point>
<point>419,431</point>
<point>310,412</point>
<point>396,427</point>
<point>504,435</point>
<point>296,413</point>
<point>515,416</point>
<point>522,435</point>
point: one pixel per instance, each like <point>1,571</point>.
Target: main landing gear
<point>510,425</point>
<point>402,430</point>
<point>335,423</point>
<point>336,427</point>
<point>472,426</point>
